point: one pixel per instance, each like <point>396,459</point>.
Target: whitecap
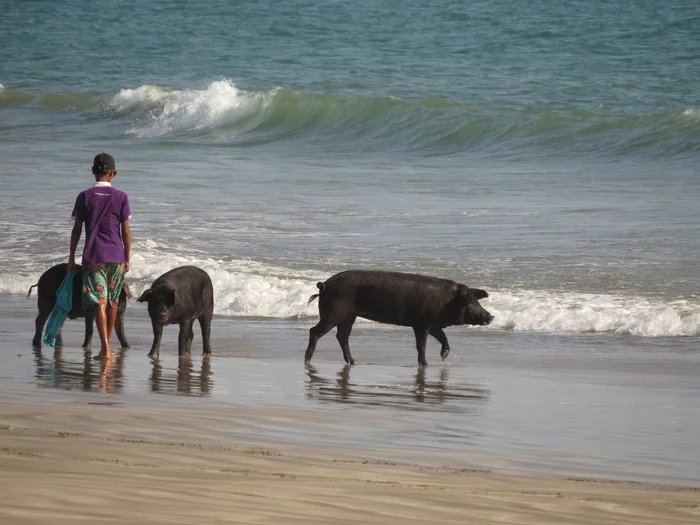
<point>173,111</point>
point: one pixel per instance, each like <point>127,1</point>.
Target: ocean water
<point>546,152</point>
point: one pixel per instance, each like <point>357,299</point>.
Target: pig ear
<point>145,296</point>
<point>462,294</point>
<point>479,293</point>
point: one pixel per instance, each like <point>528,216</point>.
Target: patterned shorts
<point>102,283</point>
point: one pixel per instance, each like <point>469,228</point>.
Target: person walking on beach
<point>105,212</point>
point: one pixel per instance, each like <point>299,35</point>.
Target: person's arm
<point>126,239</point>
<point>74,239</point>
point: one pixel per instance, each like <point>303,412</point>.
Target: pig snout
<point>163,317</point>
<point>478,316</point>
<point>159,313</point>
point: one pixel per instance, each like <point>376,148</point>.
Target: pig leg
<point>343,337</point>
<point>183,337</point>
<point>89,321</point>
<point>119,330</point>
<point>438,334</point>
<point>39,325</point>
<point>205,325</point>
<point>322,328</point>
<point>421,333</point>
<point>157,334</point>
<point>190,337</point>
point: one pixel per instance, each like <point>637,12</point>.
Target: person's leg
<point>102,322</point>
<point>113,275</point>
<point>95,294</point>
<point>111,320</point>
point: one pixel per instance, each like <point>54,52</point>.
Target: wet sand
<point>78,461</point>
<point>544,434</point>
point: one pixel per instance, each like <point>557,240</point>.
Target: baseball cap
<point>103,163</point>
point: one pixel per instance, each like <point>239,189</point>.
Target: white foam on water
<point>172,111</point>
<point>249,288</point>
<point>242,287</point>
<point>129,98</point>
<point>540,311</point>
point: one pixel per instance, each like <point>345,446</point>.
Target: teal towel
<point>64,303</point>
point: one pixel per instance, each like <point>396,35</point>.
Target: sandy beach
<point>101,463</point>
<point>253,436</point>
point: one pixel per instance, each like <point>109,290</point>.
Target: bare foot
<point>110,353</point>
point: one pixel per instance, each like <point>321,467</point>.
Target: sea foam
<point>172,111</point>
<point>544,311</point>
<point>248,288</point>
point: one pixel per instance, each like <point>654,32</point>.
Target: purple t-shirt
<point>103,209</point>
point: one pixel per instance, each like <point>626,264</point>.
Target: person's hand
<point>126,266</point>
<point>71,264</point>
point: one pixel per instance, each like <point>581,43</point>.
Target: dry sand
<point>96,463</point>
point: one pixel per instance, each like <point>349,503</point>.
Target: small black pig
<point>427,304</point>
<point>48,285</point>
<point>180,296</point>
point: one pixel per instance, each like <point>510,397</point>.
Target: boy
<point>106,214</point>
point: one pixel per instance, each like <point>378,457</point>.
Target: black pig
<point>181,296</point>
<point>47,287</point>
<point>427,304</point>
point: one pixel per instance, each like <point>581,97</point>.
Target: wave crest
<point>165,112</point>
<point>221,113</point>
<point>429,127</point>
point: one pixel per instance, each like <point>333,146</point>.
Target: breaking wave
<point>427,127</point>
<point>222,113</point>
<point>248,288</point>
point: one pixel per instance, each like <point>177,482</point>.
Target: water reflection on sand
<point>397,392</point>
<point>186,380</point>
<point>638,425</point>
<point>66,371</point>
<point>88,374</point>
<point>251,381</point>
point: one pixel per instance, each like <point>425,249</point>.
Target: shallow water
<point>515,402</point>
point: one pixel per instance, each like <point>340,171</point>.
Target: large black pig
<point>179,297</point>
<point>48,285</point>
<point>427,304</point>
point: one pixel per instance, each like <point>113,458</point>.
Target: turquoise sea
<point>547,152</point>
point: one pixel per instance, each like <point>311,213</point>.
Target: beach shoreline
<point>253,436</point>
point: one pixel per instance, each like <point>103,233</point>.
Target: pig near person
<point>427,304</point>
<point>179,297</point>
<point>48,285</point>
